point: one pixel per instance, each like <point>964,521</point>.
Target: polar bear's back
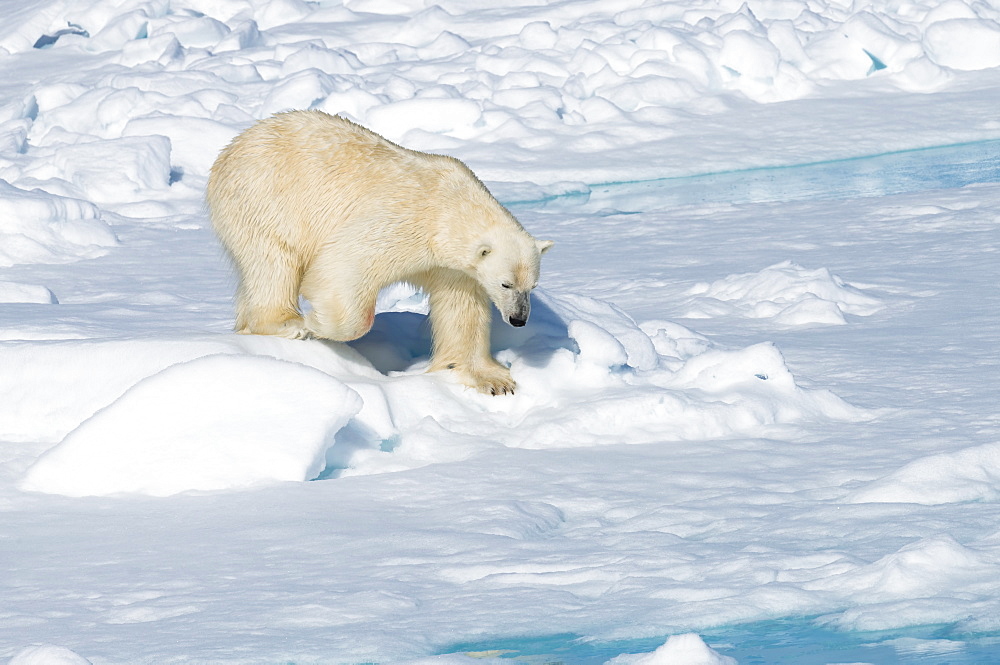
<point>301,177</point>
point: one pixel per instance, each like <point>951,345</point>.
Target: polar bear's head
<point>506,265</point>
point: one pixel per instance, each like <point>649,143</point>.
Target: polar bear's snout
<point>514,306</point>
<point>522,307</point>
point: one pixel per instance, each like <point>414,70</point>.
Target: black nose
<point>516,322</point>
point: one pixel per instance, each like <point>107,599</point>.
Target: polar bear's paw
<point>492,380</point>
<point>291,328</point>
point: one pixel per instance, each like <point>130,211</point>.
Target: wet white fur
<point>312,204</point>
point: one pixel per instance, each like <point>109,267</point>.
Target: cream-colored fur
<point>312,204</point>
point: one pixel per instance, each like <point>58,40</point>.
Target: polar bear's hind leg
<point>343,307</point>
<point>267,298</point>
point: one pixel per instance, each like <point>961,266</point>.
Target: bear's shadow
<point>401,340</point>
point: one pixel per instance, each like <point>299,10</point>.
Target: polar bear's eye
<point>506,285</point>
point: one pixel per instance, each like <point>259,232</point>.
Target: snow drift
<point>231,416</point>
<point>213,423</point>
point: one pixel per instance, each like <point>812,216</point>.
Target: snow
<point>47,654</point>
<point>687,649</point>
<point>963,43</point>
<point>969,474</point>
<point>25,293</point>
<point>166,425</point>
<point>39,227</point>
<point>750,389</point>
<point>205,424</point>
<point>786,293</point>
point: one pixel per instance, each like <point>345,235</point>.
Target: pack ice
<point>728,412</point>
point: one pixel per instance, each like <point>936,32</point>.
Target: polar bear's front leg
<point>460,325</point>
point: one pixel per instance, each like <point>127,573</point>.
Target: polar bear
<point>311,204</point>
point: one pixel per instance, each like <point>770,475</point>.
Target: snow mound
<point>16,292</point>
<point>920,568</point>
<point>47,654</point>
<point>785,294</point>
<point>217,422</point>
<point>913,585</point>
<point>687,649</point>
<point>37,227</point>
<point>239,410</point>
<point>107,171</point>
<point>964,43</point>
<point>971,474</point>
<point>193,144</point>
<point>454,116</point>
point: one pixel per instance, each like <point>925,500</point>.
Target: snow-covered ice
<point>206,424</point>
<point>11,292</point>
<point>47,654</point>
<point>167,425</point>
<point>737,402</point>
<point>41,227</point>
<point>968,474</point>
<point>688,649</point>
<point>786,293</point>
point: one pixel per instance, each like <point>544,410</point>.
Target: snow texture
<point>11,292</point>
<point>731,409</point>
<point>39,227</point>
<point>786,293</point>
<point>206,424</point>
<point>969,474</point>
<point>687,649</point>
<point>47,654</point>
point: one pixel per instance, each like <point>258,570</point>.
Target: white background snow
<point>728,411</point>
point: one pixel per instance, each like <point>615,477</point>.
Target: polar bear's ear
<point>543,245</point>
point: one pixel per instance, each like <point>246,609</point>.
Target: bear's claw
<point>291,328</point>
<point>497,384</point>
<point>490,380</point>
